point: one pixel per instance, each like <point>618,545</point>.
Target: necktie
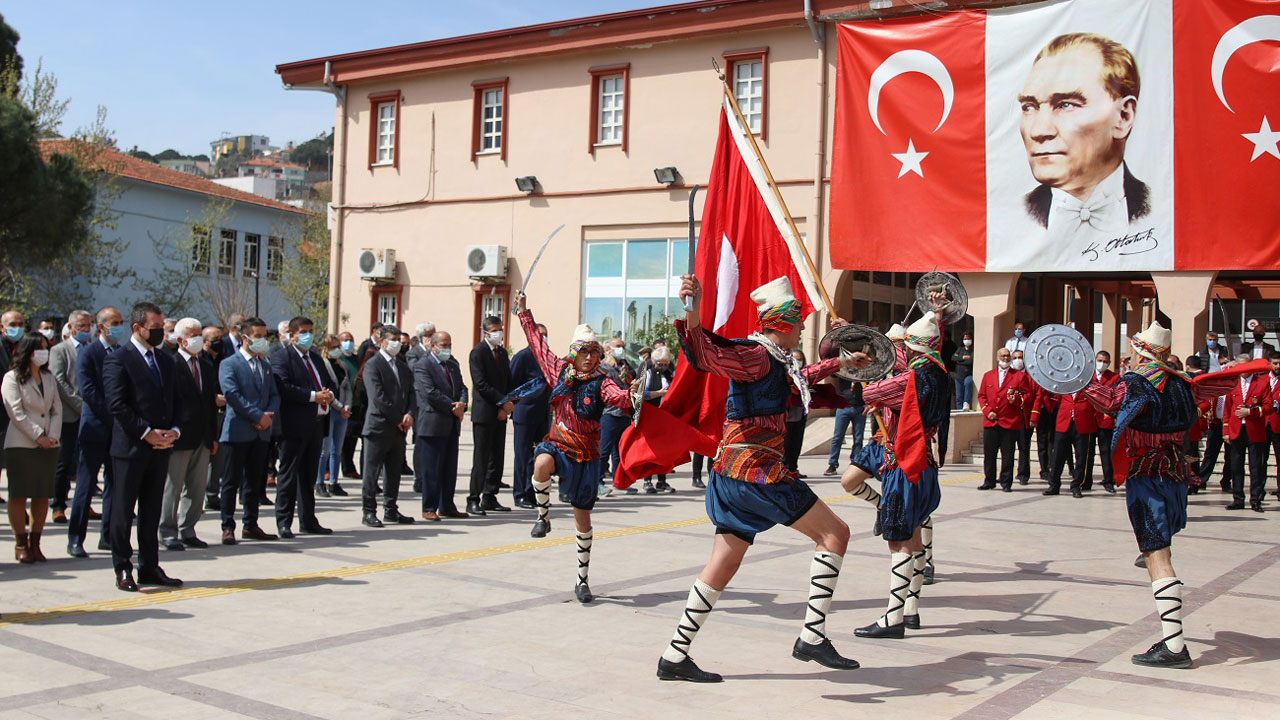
<point>155,370</point>
<point>315,378</point>
<point>1101,212</point>
<point>257,373</point>
<point>195,373</point>
<point>448,377</point>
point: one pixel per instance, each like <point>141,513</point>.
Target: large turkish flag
<point>908,185</point>
<point>1226,60</point>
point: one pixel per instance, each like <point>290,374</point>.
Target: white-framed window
<point>628,285</point>
<point>386,153</point>
<point>491,117</point>
<point>227,252</point>
<point>388,308</point>
<point>252,248</point>
<point>612,113</point>
<point>200,250</point>
<point>748,90</point>
<point>275,257</point>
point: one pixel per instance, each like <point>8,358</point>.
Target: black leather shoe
<point>583,593</point>
<point>1160,656</point>
<point>76,550</point>
<point>285,532</point>
<point>174,544</point>
<point>824,653</point>
<point>911,622</point>
<point>1087,486</point>
<point>156,576</point>
<point>394,516</point>
<point>928,574</point>
<point>540,528</point>
<point>473,508</point>
<point>371,520</point>
<point>699,484</point>
<point>874,630</point>
<point>491,504</point>
<point>1051,491</point>
<point>1007,488</point>
<point>316,530</point>
<point>1024,481</point>
<point>322,490</point>
<point>1238,505</point>
<point>525,504</point>
<point>1075,493</point>
<point>195,542</point>
<point>1111,488</point>
<point>985,486</point>
<point>212,503</point>
<point>1256,506</point>
<point>124,581</point>
<point>336,490</point>
<point>104,545</point>
<point>1226,486</point>
<point>685,670</point>
<point>877,528</point>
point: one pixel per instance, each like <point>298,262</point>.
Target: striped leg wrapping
<point>912,606</point>
<point>542,497</point>
<point>867,493</point>
<point>584,554</point>
<point>701,599</point>
<point>926,537</point>
<point>1168,594</point>
<point>899,583</point>
<point>824,571</point>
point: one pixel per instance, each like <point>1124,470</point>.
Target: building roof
<point>630,28</point>
<point>138,169</point>
<point>268,162</point>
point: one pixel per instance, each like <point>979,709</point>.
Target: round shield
<point>859,338</point>
<point>1059,359</point>
<point>944,294</point>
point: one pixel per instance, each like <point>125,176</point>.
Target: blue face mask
<point>1017,333</point>
<point>1212,343</point>
<point>14,333</point>
<point>259,346</point>
<point>83,337</point>
<point>348,347</point>
<point>118,334</point>
<point>304,341</point>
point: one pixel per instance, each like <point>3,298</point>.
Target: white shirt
<point>1258,350</point>
<point>392,362</point>
<point>144,350</point>
<point>1014,344</point>
<point>306,360</point>
<point>1002,373</point>
<point>1214,363</point>
<point>1100,218</point>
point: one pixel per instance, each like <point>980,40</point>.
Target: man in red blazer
<point>1077,423</point>
<point>1245,425</point>
<point>1106,424</point>
<point>1273,420</point>
<point>1002,395</point>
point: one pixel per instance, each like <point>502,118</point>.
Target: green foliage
<point>143,155</point>
<point>313,154</point>
<point>304,279</point>
<point>169,154</point>
<point>9,47</point>
<point>663,328</point>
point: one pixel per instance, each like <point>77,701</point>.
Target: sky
<point>179,73</point>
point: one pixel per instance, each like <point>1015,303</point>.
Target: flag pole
<point>813,270</point>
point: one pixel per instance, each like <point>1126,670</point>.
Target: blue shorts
<point>870,459</point>
<point>743,509</point>
<point>904,505</point>
<point>1157,510</point>
<point>579,481</point>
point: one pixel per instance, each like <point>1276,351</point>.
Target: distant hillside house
<point>290,179</point>
<point>220,249</point>
<point>199,168</point>
<point>247,145</point>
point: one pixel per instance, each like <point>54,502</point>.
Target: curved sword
<point>536,258</point>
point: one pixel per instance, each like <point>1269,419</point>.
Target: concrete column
<point>1110,340</point>
<point>1084,312</point>
<point>991,297</point>
<point>1184,297</point>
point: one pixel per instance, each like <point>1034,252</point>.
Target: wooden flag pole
<point>813,270</point>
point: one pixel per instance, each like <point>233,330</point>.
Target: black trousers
<point>792,444</point>
<point>1237,450</point>
<point>246,475</point>
<point>527,435</point>
<point>1064,444</point>
<point>137,482</point>
<point>1024,453</point>
<point>1044,446</point>
<point>1002,440</point>
<point>1213,446</point>
<point>438,465</point>
<point>296,483</point>
<point>217,463</point>
<point>93,457</point>
<point>68,457</point>
<point>1104,456</point>
<point>383,455</point>
<point>1271,445</point>
<point>487,459</point>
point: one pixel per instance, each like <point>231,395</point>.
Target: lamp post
<point>256,283</point>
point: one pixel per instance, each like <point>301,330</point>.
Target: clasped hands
<point>161,439</point>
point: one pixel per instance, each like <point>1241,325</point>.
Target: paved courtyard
<point>1037,609</point>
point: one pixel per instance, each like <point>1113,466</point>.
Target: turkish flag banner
<point>907,185</point>
<point>743,243</point>
<point>1226,68</point>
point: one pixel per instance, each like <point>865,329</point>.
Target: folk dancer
<point>749,489</point>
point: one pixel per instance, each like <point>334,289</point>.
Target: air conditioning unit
<point>487,261</point>
<point>377,264</point>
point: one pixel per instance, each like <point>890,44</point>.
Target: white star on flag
<point>1265,140</point>
<point>910,160</point>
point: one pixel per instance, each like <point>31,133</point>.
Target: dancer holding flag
<point>750,489</point>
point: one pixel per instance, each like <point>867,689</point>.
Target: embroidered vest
<point>1148,410</point>
<point>759,398</point>
<point>585,396</point>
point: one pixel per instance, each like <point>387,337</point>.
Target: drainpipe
<point>815,27</point>
<point>815,227</point>
<point>339,176</point>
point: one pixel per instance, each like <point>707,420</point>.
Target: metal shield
<point>956,303</point>
<point>859,338</point>
<point>1059,359</point>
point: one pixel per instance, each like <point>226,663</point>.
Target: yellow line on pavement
<point>160,597</point>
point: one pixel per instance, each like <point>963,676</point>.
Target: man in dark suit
<point>442,401</point>
<point>1214,354</point>
<point>197,388</point>
<point>139,382</point>
<point>371,343</point>
<point>215,345</point>
<point>417,353</point>
<point>249,386</point>
<point>234,337</point>
<point>491,378</point>
<point>532,419</point>
<point>1259,348</point>
<point>388,385</point>
<point>306,395</point>
<point>94,437</point>
<point>62,363</point>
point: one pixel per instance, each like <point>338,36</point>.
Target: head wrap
<point>1153,345</point>
<point>584,338</point>
<point>776,305</point>
<point>925,338</point>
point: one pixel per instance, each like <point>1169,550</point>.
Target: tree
<point>142,155</point>
<point>313,154</point>
<point>179,282</point>
<point>9,47</point>
<point>663,328</point>
<point>304,276</point>
<point>169,154</point>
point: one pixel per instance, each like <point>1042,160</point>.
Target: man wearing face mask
<point>1259,348</point>
<point>1106,427</point>
<point>442,400</point>
<point>1023,473</point>
<point>252,403</point>
<point>94,436</point>
<point>170,345</point>
<point>306,400</point>
<point>655,383</point>
<point>1077,423</point>
<point>1213,354</point>
<point>491,379</point>
<point>49,329</point>
<point>197,390</point>
<point>962,359</point>
<point>1019,339</point>
<point>1245,425</point>
<point>1003,393</point>
<point>532,420</point>
<point>62,363</point>
<point>234,337</point>
<point>214,344</point>
<point>140,385</point>
<point>346,342</point>
<point>616,419</point>
<point>388,384</point>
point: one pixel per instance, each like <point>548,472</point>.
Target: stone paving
<point>1036,611</point>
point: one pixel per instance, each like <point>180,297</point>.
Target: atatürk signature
<point>1132,244</point>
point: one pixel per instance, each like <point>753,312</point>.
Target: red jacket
<point>1045,405</point>
<point>1273,419</point>
<point>1259,404</point>
<point>1105,421</point>
<point>1009,401</point>
<point>1076,407</point>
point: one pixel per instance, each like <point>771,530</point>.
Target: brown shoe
<point>33,547</point>
<point>21,551</point>
<point>94,514</point>
<point>256,533</point>
<point>454,514</point>
<point>228,537</point>
<point>433,517</point>
<point>60,516</point>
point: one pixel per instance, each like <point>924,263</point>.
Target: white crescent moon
<point>905,61</point>
<point>1255,29</point>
